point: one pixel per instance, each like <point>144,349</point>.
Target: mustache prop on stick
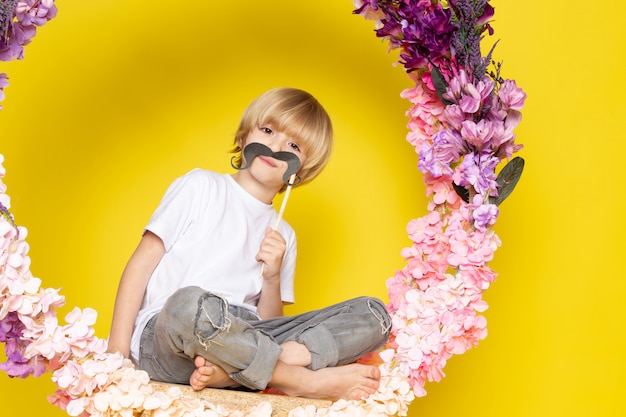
<point>254,149</point>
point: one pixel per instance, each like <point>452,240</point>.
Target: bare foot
<point>349,382</point>
<point>209,375</point>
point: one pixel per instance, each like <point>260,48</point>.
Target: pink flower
<point>47,339</point>
<point>468,95</point>
<point>396,287</point>
<point>424,113</point>
<point>79,330</point>
<point>49,300</point>
<point>479,277</point>
<point>425,229</point>
<point>59,399</point>
<point>511,96</point>
<point>442,192</point>
<point>477,134</point>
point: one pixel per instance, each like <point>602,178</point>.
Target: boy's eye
<point>294,146</point>
<point>267,130</point>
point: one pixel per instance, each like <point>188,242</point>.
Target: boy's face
<point>267,169</point>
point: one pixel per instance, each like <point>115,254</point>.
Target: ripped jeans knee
<point>199,323</point>
<point>211,318</point>
<point>192,316</point>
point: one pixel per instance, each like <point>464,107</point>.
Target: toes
<point>199,361</point>
<point>374,372</point>
<point>195,384</point>
<point>201,376</point>
<point>359,394</point>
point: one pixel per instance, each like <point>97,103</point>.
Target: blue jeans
<point>195,322</point>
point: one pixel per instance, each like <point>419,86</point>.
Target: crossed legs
<point>213,348</point>
<point>291,376</point>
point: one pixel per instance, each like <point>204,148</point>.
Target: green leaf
<point>461,191</point>
<point>440,84</point>
<point>507,179</point>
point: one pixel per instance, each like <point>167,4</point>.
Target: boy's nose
<point>275,147</point>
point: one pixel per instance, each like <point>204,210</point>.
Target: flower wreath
<point>461,123</point>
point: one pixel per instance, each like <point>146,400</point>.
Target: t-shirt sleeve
<point>177,210</point>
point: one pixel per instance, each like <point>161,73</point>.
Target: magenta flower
<point>422,29</point>
<point>426,39</point>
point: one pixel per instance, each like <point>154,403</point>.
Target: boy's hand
<point>271,254</point>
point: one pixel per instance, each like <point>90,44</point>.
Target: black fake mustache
<point>254,149</point>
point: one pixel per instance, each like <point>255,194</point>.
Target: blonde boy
<point>191,307</point>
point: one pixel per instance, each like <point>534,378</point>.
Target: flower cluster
<point>461,123</point>
<point>436,298</point>
<point>463,114</point>
<point>19,21</point>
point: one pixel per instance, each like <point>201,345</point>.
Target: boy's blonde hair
<point>297,114</point>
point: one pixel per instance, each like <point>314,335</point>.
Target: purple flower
<point>437,32</point>
<point>11,330</point>
<point>18,25</point>
<point>421,29</point>
<point>427,38</point>
<point>429,163</point>
<point>484,215</point>
<point>478,171</point>
<point>447,147</point>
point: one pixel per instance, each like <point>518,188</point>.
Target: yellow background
<point>115,99</point>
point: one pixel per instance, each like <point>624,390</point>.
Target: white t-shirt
<point>212,230</point>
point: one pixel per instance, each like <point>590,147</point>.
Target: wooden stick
<point>284,203</point>
<point>292,179</point>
